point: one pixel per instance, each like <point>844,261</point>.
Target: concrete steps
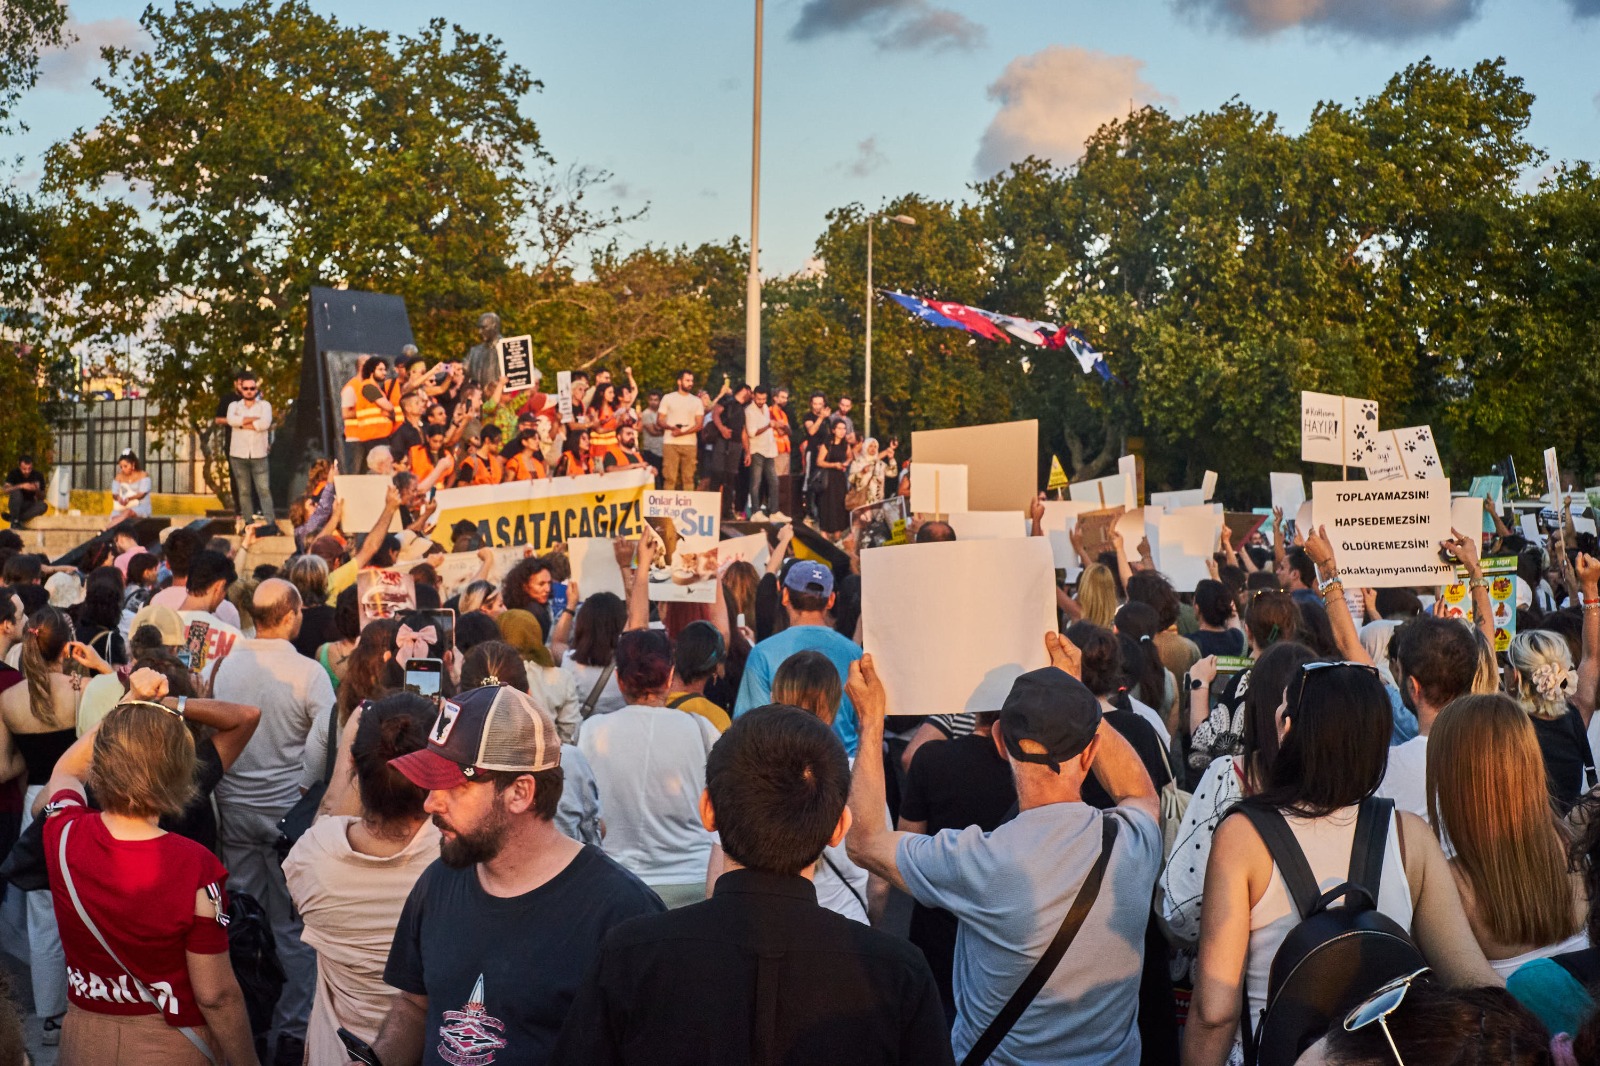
<point>56,534</point>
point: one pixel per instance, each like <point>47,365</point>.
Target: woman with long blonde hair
<point>1487,797</point>
<point>1097,595</point>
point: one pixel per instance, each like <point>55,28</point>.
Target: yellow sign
<point>541,514</point>
<point>1058,476</point>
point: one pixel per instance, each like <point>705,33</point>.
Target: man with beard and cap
<point>497,935</point>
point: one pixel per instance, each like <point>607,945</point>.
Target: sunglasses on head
<point>1382,1003</point>
<point>1307,669</point>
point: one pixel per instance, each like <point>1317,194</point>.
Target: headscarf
<point>520,629</point>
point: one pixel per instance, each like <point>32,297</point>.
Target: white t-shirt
<point>221,638</point>
<point>680,409</point>
<point>174,595</point>
<point>757,419</point>
<point>583,682</point>
<point>1405,781</point>
<point>650,766</point>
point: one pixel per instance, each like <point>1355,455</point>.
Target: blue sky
<point>868,99</point>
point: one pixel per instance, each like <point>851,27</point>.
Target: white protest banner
<point>1529,524</point>
<point>1383,464</point>
<point>1552,477</point>
<point>1337,429</point>
<point>1580,524</point>
<point>594,567</point>
<point>686,527</point>
<point>1113,488</point>
<point>1179,498</point>
<point>1184,544</point>
<point>752,549</point>
<point>1466,517</point>
<point>1128,467</point>
<point>1004,594</point>
<point>564,398</point>
<point>1132,526</point>
<point>1060,519</point>
<point>938,488</point>
<point>1304,519</point>
<point>363,496</point>
<point>999,458</point>
<point>987,525</point>
<point>544,512</point>
<point>383,594</point>
<point>1288,493</point>
<point>459,569</point>
<point>516,363</point>
<point>1208,485</point>
<point>1418,452</point>
<point>1388,535</point>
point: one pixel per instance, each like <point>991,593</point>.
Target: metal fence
<point>92,435</point>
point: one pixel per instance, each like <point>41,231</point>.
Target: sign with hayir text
<point>1386,534</point>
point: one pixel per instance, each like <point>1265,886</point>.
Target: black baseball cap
<point>1054,710</point>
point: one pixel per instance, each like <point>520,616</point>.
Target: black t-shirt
<point>956,783</point>
<point>1227,642</point>
<point>732,415</point>
<point>1565,746</point>
<point>31,485</point>
<point>1146,743</point>
<point>820,437</point>
<point>222,409</point>
<point>316,629</point>
<point>403,439</point>
<point>198,821</point>
<point>500,973</point>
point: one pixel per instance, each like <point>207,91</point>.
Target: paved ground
<point>16,973</point>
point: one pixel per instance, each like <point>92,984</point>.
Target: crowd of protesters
<point>631,832</point>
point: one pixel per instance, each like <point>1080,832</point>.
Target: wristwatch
<point>1196,684</point>
<point>183,705</point>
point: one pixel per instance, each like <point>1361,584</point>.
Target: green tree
<point>27,27</point>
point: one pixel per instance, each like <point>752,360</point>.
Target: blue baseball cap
<point>810,577</point>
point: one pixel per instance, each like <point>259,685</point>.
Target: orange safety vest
<point>521,468</point>
<point>477,471</point>
<point>371,421</point>
<point>354,385</point>
<point>421,463</point>
<point>780,417</point>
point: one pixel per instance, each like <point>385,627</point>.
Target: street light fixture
<point>866,415</point>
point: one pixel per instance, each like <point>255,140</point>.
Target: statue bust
<point>483,358</point>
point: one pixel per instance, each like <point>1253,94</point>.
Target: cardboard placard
<point>384,594</point>
<point>1552,477</point>
<point>1096,527</point>
<point>594,567</point>
<point>1340,430</point>
<point>1386,536</point>
<point>1288,493</point>
<point>363,496</point>
<point>686,527</point>
<point>1418,452</point>
<point>1242,526</point>
<point>988,525</point>
<point>1000,459</point>
<point>1383,463</point>
<point>1184,543</point>
<point>1060,518</point>
<point>1109,491</point>
<point>752,549</point>
<point>1003,591</point>
<point>1501,572</point>
<point>877,524</point>
<point>458,569</point>
<point>1132,480</point>
<point>1179,498</point>
<point>1208,485</point>
<point>1058,476</point>
<point>564,395</point>
<point>516,363</point>
<point>1132,527</point>
<point>938,488</point>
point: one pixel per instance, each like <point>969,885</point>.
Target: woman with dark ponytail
<point>350,875</point>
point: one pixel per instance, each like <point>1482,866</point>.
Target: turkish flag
<point>971,320</point>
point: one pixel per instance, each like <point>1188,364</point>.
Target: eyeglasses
<point>1307,669</point>
<point>1382,1003</point>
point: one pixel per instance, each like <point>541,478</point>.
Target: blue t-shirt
<point>1010,889</point>
<point>765,658</point>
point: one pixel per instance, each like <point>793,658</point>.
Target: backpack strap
<point>593,698</point>
<point>684,697</point>
<point>1031,985</point>
<point>1287,855</point>
<point>1372,839</point>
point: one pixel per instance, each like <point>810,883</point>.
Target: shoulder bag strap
<point>139,986</point>
<point>684,697</point>
<point>599,685</point>
<point>1025,993</point>
<point>845,881</point>
<point>333,743</point>
<point>1372,838</point>
<point>1285,851</point>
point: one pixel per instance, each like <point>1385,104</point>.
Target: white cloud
<point>69,67</point>
<point>1374,19</point>
<point>1052,100</point>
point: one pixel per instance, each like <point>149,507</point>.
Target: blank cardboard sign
<point>1002,461</point>
<point>1003,591</point>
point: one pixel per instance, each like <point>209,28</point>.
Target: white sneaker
<point>759,516</point>
<point>779,516</point>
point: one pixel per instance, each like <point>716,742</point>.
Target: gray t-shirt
<point>1010,890</point>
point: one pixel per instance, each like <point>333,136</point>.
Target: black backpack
<point>1337,955</point>
<point>254,953</point>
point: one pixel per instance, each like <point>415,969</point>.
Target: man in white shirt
<point>682,415</point>
<point>180,548</point>
<point>210,574</point>
<point>295,696</point>
<point>251,419</point>
<point>1438,659</point>
<point>761,455</point>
